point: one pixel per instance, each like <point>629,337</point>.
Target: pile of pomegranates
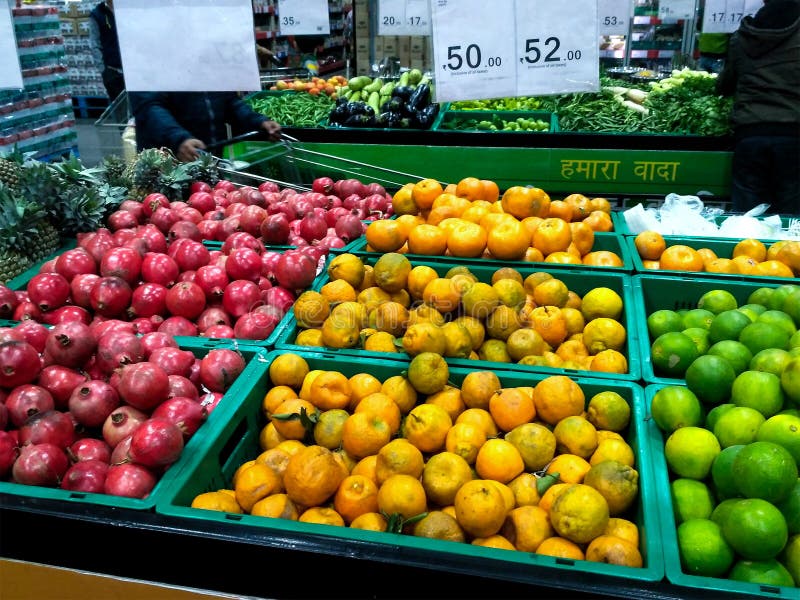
<point>100,409</point>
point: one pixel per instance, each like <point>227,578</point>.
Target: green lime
<point>794,351</point>
<point>691,500</point>
<point>790,380</point>
<point>759,390</point>
<point>790,507</point>
<point>663,321</point>
<point>717,301</point>
<point>672,353</point>
<point>752,310</point>
<point>697,317</point>
<point>715,413</point>
<point>738,426</point>
<point>703,549</point>
<point>791,306</point>
<point>784,430</point>
<point>771,360</point>
<point>723,510</point>
<point>700,338</point>
<point>728,325</point>
<point>759,336</point>
<point>755,529</point>
<point>722,473</point>
<point>761,296</point>
<point>790,557</point>
<point>736,353</point>
<point>764,470</point>
<point>675,406</point>
<point>690,451</point>
<point>710,377</point>
<point>765,572</point>
<point>794,341</point>
<point>779,296</point>
<point>779,318</point>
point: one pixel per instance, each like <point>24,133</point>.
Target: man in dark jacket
<point>186,121</point>
<point>762,72</point>
<point>105,47</point>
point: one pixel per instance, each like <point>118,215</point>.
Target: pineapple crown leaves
<point>81,209</point>
<point>19,219</point>
<point>39,183</point>
<point>72,171</point>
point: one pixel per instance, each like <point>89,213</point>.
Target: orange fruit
<point>426,427</point>
<point>467,240</point>
<point>481,418</point>
<point>322,516</point>
<point>609,361</point>
<point>428,240</point>
<point>599,221</point>
<point>408,222</point>
<point>602,258</point>
<point>480,508</point>
<point>745,264</point>
<point>440,213</point>
<point>563,258</point>
<point>254,483</point>
<point>465,439</point>
<point>560,548</point>
<point>552,493</point>
<point>525,202</point>
<point>381,405</point>
<point>561,210</point>
<point>373,521</point>
<point>365,433</point>
<point>475,213</point>
<point>356,495</point>
<point>493,541</point>
<point>330,389</point>
<point>707,254</point>
<point>453,201</point>
<point>403,201</point>
<point>751,247</point>
<point>789,253</point>
<point>570,468</point>
<point>312,476</point>
<point>470,188</point>
<point>601,204</point>
<point>612,550</point>
<point>680,257</point>
<point>649,244</point>
<point>721,265</point>
<point>443,475</point>
<point>276,506</point>
<point>269,437</point>
<point>773,268</point>
<point>449,399</point>
<point>361,386</point>
<point>385,235</point>
<point>275,396</point>
<point>425,192</point>
<point>366,467</point>
<point>490,190</point>
<point>499,460</point>
<point>651,264</point>
<point>398,457</point>
<point>550,324</point>
<point>442,294</point>
<point>403,495</point>
<point>508,240</point>
<point>527,527</point>
<point>582,236</point>
<point>557,397</point>
<point>552,235</point>
<point>292,429</point>
<point>510,407</point>
<point>580,204</point>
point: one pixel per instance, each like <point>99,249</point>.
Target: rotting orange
<point>312,476</point>
<point>746,264</point>
<point>527,527</point>
<point>523,202</point>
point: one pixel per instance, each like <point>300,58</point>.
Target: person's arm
<point>157,125</point>
<point>243,119</point>
<point>94,44</point>
<point>726,80</point>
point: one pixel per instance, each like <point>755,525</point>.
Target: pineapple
<point>10,166</point>
<point>85,208</point>
<point>19,222</point>
<point>114,168</point>
<point>148,171</point>
<point>204,169</point>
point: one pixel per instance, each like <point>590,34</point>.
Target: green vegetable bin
<point>711,586</point>
<point>244,389</point>
<point>213,469</point>
<point>722,247</point>
<point>457,121</point>
<point>656,292</point>
<point>602,241</point>
<point>579,281</point>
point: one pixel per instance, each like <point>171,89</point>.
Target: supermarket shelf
<point>653,54</point>
<point>334,66</point>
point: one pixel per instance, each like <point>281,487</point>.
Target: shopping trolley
<point>114,128</point>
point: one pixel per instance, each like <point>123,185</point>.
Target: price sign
<point>203,45</point>
<point>724,16</point>
<point>474,49</point>
<point>404,17</point>
<point>10,74</point>
<point>304,17</point>
<point>674,10</point>
<point>558,50</point>
<point>614,16</point>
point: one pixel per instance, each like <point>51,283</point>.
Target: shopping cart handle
<point>238,138</point>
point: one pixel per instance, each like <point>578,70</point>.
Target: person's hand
<point>273,129</point>
<point>187,151</point>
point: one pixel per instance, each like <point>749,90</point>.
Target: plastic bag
<point>679,215</point>
<point>749,225</point>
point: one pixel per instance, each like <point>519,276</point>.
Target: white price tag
<point>404,17</point>
<point>673,10</point>
<point>472,60</point>
<point>10,74</point>
<point>304,17</point>
<point>724,16</point>
<point>558,50</point>
<point>614,16</point>
<point>187,46</point>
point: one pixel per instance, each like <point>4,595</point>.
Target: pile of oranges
<point>314,86</point>
<point>396,305</point>
<point>541,469</point>
<point>749,257</point>
<point>471,219</point>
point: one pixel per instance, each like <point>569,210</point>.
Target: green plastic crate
<point>579,281</point>
<point>213,469</point>
<point>602,241</point>
<point>242,390</point>
<point>463,116</point>
<point>722,247</point>
<point>710,586</point>
<point>656,292</point>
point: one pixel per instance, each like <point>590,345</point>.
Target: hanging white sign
<point>304,17</point>
<point>404,17</point>
<point>614,16</point>
<point>724,16</point>
<point>187,45</point>
<point>10,74</point>
<point>674,10</point>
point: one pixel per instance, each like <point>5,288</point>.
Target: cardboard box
<point>83,25</point>
<point>362,31</point>
<point>417,43</point>
<point>379,47</point>
<point>404,44</point>
<point>390,44</point>
<point>69,27</point>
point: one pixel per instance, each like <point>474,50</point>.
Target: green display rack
<point>467,120</point>
<point>213,469</point>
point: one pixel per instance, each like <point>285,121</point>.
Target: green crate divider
<point>488,115</point>
<point>655,292</point>
<point>238,442</point>
<point>580,281</point>
<point>602,241</point>
<point>20,281</point>
<point>618,219</point>
<point>715,586</point>
<point>722,247</point>
<point>242,390</point>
